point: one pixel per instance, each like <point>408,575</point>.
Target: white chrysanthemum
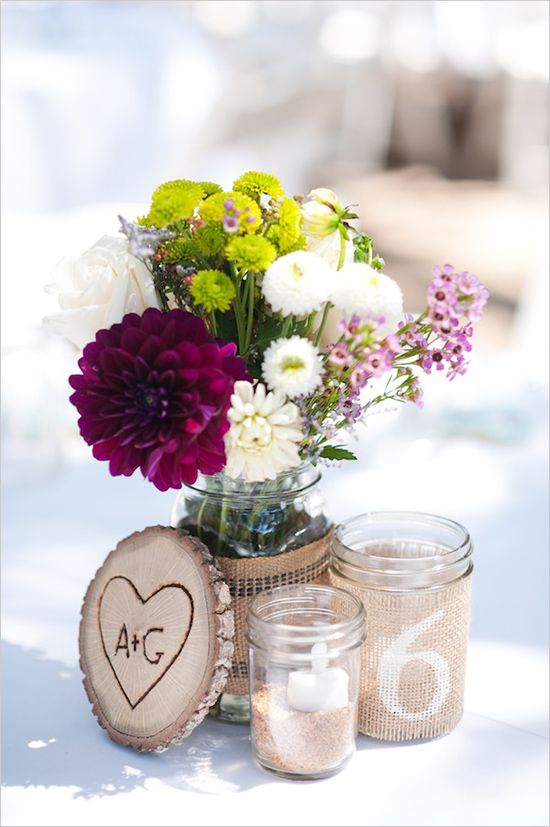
<point>292,366</point>
<point>264,436</point>
<point>297,283</point>
<point>361,289</point>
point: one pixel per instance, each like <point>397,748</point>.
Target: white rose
<point>95,290</point>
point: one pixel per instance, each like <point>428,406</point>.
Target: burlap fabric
<point>413,660</point>
<point>248,576</point>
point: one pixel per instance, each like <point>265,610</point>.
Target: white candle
<point>320,688</point>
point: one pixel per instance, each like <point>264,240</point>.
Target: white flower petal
<point>267,440</point>
<point>292,366</point>
<point>244,391</point>
<point>297,283</point>
<point>361,289</point>
<point>97,289</point>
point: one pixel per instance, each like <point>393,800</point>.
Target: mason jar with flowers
<point>230,339</point>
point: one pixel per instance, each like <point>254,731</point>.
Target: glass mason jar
<point>305,648</point>
<point>412,573</point>
<point>239,520</point>
<point>235,518</point>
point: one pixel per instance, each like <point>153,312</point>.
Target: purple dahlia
<point>154,393</point>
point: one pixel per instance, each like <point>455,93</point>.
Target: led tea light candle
<point>319,688</point>
<point>304,646</point>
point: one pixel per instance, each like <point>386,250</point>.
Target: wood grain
<point>155,638</point>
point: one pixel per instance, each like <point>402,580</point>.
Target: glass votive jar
<point>412,572</point>
<point>305,652</point>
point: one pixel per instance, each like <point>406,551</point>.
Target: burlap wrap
<point>413,660</point>
<point>248,576</point>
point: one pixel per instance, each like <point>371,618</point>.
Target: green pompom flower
<point>174,200</point>
<point>212,290</point>
<point>251,252</point>
<point>242,210</point>
<point>180,249</point>
<point>256,184</point>
<point>287,233</point>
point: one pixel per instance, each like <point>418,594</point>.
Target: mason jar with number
<point>412,573</point>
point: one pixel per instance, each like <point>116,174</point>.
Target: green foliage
<point>364,252</point>
<point>256,184</point>
<point>251,252</point>
<point>212,290</point>
<point>336,452</point>
<point>363,248</point>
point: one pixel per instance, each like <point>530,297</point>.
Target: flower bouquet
<point>230,339</point>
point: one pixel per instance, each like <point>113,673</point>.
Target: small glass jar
<point>304,647</point>
<point>412,573</point>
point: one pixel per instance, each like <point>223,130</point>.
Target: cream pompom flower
<point>292,366</point>
<point>364,291</point>
<point>264,435</point>
<point>298,283</point>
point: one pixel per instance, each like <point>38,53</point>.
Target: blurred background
<point>431,116</point>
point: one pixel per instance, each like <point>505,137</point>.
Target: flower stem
<point>213,323</point>
<point>329,305</point>
<point>287,326</point>
<point>326,311</point>
<point>238,308</point>
<point>220,538</point>
<point>342,256</point>
<point>250,320</point>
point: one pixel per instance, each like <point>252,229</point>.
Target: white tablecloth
<point>60,768</point>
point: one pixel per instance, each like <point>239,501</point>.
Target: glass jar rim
<point>399,572</point>
<point>241,489</point>
<point>343,634</point>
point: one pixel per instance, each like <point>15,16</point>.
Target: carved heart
<point>142,637</point>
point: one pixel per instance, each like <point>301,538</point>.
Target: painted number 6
<point>396,657</point>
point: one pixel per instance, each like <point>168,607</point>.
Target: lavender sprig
<point>144,241</point>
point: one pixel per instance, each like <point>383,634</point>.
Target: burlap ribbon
<point>248,576</point>
<point>413,659</point>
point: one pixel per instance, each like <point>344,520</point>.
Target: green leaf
<point>363,247</point>
<point>336,452</point>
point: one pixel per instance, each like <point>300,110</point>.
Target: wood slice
<point>155,638</point>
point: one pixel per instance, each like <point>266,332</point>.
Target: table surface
<point>477,453</point>
<point>60,768</point>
